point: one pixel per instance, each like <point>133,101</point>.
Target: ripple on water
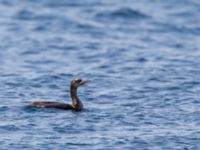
<point>122,13</point>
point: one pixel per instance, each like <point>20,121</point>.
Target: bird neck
<point>75,100</point>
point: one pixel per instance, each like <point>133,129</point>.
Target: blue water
<point>143,60</point>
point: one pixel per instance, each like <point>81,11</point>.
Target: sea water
<point>143,58</point>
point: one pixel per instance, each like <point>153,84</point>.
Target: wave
<point>122,13</point>
<point>30,15</point>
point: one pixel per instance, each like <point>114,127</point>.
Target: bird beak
<point>84,81</point>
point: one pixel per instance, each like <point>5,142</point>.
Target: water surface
<point>142,58</point>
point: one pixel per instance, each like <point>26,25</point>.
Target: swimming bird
<point>76,105</point>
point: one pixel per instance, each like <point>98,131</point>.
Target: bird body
<point>76,105</point>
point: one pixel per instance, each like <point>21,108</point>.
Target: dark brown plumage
<point>76,103</point>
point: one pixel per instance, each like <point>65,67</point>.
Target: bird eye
<point>79,80</point>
